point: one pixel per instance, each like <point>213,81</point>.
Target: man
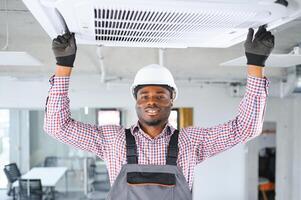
<point>152,160</point>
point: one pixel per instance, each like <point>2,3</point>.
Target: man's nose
<point>152,100</point>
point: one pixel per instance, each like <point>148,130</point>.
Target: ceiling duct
<point>298,80</point>
<point>164,23</point>
<point>290,84</point>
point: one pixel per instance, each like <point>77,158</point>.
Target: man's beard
<point>154,122</point>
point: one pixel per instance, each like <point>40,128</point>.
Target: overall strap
<point>131,149</point>
<point>172,151</point>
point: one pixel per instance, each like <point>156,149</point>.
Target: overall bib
<point>150,182</point>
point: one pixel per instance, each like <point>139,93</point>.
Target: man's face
<point>153,105</point>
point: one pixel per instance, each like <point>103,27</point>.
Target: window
<point>181,117</point>
<point>108,116</point>
<point>174,118</point>
<point>4,144</point>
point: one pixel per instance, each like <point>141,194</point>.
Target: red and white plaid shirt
<point>195,143</point>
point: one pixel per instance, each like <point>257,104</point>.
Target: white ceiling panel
<point>274,60</point>
<point>13,58</point>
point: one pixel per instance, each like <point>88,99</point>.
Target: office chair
<point>12,173</point>
<point>98,189</point>
<point>51,161</point>
<point>30,189</point>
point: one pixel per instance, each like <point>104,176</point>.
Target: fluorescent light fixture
<point>299,83</point>
<point>15,58</point>
<point>274,60</point>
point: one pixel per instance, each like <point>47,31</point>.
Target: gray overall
<point>150,182</point>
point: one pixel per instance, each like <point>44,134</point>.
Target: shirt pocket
<point>150,185</point>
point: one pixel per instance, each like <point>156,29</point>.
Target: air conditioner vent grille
<point>155,26</point>
<point>159,23</point>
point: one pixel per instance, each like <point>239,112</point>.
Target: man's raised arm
<point>57,121</point>
<point>249,120</point>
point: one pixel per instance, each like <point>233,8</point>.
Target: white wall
<point>221,177</point>
<point>296,171</point>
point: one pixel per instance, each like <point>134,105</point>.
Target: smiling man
<point>154,97</point>
<point>151,159</point>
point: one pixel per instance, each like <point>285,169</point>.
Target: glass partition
<point>4,144</point>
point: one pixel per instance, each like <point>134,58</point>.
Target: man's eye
<point>161,97</point>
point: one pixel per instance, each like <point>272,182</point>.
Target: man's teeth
<point>152,111</point>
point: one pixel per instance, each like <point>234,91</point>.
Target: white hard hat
<point>154,75</point>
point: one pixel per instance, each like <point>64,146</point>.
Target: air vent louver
<point>157,27</point>
<point>157,23</point>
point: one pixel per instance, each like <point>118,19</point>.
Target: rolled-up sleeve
<point>246,125</point>
<point>59,124</point>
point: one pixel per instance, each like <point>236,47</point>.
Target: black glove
<point>258,50</point>
<point>64,49</point>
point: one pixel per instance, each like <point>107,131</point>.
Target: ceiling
<point>25,34</point>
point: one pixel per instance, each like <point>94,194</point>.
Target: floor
<point>59,196</point>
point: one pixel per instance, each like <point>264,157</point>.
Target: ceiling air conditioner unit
<point>164,23</point>
<point>274,60</point>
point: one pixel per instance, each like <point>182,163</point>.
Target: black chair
<point>12,173</point>
<point>30,189</point>
<point>51,161</point>
<point>98,189</point>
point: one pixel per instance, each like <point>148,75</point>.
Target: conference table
<point>49,176</point>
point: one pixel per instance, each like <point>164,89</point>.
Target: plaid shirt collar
<point>167,131</point>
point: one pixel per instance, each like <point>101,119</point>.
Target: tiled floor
<point>60,196</point>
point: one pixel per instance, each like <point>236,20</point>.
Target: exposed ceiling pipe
<point>7,33</point>
<point>281,88</point>
<point>101,64</point>
<point>296,50</point>
<point>288,83</point>
<point>161,56</point>
<point>297,89</point>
